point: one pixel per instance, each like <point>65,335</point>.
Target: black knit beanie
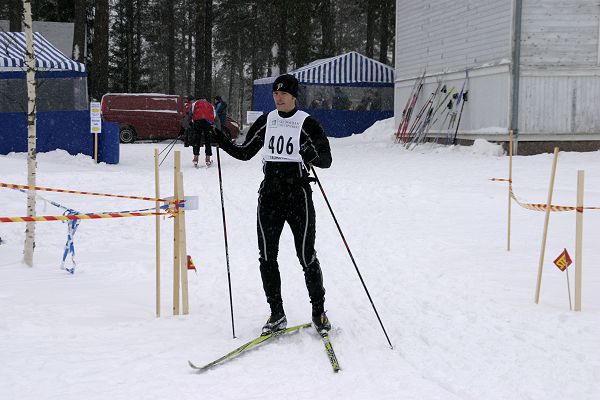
<point>286,83</point>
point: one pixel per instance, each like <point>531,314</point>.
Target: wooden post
<point>510,155</point>
<point>578,240</point>
<point>546,220</point>
<point>176,249</point>
<point>183,253</point>
<point>157,194</point>
<point>96,147</point>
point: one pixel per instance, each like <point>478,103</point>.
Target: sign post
<point>252,116</point>
<point>95,125</point>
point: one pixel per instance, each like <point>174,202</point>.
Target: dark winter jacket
<point>314,149</point>
<point>221,110</point>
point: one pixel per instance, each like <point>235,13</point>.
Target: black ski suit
<point>285,196</point>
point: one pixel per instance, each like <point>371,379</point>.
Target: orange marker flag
<point>563,260</point>
<point>190,264</point>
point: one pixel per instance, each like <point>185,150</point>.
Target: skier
<point>203,119</point>
<point>290,141</point>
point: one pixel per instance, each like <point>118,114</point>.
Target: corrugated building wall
<point>560,73</point>
<point>450,35</point>
<point>559,64</point>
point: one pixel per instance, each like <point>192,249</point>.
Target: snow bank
<point>427,229</point>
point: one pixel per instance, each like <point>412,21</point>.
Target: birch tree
<point>31,135</point>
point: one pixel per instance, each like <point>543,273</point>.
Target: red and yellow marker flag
<point>563,260</point>
<point>190,264</point>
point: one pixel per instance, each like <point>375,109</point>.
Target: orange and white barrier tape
<point>79,216</point>
<point>541,206</point>
<point>14,186</point>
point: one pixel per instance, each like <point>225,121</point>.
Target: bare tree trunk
<point>15,15</point>
<point>199,51</point>
<point>189,59</point>
<point>231,79</point>
<point>138,36</point>
<point>370,44</point>
<point>169,14</point>
<point>387,12</point>
<point>130,21</point>
<point>282,37</point>
<point>208,26</point>
<point>99,65</point>
<point>255,62</point>
<point>79,30</point>
<point>31,135</point>
<point>302,32</point>
<point>271,41</point>
<point>327,28</point>
<point>270,63</point>
<point>242,81</point>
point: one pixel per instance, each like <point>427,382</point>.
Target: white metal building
<point>549,94</point>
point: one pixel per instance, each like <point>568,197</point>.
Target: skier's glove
<point>308,152</point>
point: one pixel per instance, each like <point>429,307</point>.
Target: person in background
<point>189,100</point>
<point>319,101</point>
<point>186,121</point>
<point>221,110</point>
<point>375,101</point>
<point>290,142</point>
<point>203,120</point>
<point>340,100</point>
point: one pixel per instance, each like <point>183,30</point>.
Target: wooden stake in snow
<point>578,240</point>
<point>183,252</point>
<point>31,135</point>
<point>176,244</point>
<point>510,157</point>
<point>157,193</point>
<point>546,220</point>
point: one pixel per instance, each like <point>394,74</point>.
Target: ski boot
<point>277,321</point>
<point>321,323</point>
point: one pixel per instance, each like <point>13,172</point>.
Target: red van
<point>149,115</point>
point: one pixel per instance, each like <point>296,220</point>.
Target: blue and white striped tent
<point>366,84</point>
<point>13,47</point>
<point>345,69</point>
<point>62,110</point>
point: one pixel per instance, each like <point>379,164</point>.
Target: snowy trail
<point>427,229</point>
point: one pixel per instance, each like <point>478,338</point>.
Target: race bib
<point>282,137</point>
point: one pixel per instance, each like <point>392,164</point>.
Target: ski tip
<point>195,367</point>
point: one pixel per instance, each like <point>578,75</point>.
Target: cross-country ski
<point>337,199</point>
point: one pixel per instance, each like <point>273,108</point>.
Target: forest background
<point>205,48</point>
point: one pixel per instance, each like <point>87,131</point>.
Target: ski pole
<point>170,147</point>
<point>464,100</point>
<point>226,246</point>
<point>350,254</point>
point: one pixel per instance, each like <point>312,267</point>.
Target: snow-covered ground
<point>427,229</point>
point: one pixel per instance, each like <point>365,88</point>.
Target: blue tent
<point>346,93</point>
<point>63,120</point>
